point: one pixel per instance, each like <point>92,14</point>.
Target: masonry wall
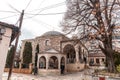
<point>4,45</point>
<point>54,42</point>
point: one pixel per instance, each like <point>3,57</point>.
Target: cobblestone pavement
<point>74,76</point>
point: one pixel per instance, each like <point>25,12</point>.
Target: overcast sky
<point>33,25</point>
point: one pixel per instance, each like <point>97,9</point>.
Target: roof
<point>52,33</point>
<point>7,25</point>
<point>96,55</point>
<point>15,29</point>
<point>52,51</point>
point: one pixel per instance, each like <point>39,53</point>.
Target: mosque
<point>57,53</point>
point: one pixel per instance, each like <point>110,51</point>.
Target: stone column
<point>38,61</point>
<point>77,53</point>
<point>65,64</point>
<point>94,60</point>
<point>100,60</point>
<point>59,62</point>
<point>33,52</point>
<point>20,65</point>
<point>47,62</point>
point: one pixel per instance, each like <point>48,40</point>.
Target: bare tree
<point>95,19</point>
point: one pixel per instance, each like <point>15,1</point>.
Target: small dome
<point>52,33</point>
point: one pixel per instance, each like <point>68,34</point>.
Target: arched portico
<point>69,50</point>
<point>74,55</point>
<point>42,62</point>
<point>53,62</point>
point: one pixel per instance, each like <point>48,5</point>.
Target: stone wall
<point>75,67</point>
<point>17,70</point>
<point>49,72</point>
<point>4,45</point>
<point>54,42</point>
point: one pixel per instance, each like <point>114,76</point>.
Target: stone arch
<point>69,50</point>
<point>53,62</point>
<point>42,62</point>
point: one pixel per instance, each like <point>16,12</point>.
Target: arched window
<point>42,62</point>
<point>47,42</point>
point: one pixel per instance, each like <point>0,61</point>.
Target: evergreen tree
<point>9,57</point>
<point>27,54</point>
<point>36,54</point>
<point>36,58</point>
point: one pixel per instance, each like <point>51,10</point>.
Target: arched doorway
<point>69,50</point>
<point>53,62</point>
<point>42,62</point>
<point>62,65</point>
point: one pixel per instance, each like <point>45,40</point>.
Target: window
<point>97,61</point>
<point>102,59</point>
<point>91,63</point>
<point>47,42</point>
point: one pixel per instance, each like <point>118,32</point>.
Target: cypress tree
<point>9,57</point>
<point>27,54</point>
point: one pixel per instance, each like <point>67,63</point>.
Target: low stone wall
<point>49,71</point>
<point>75,67</point>
<point>17,70</point>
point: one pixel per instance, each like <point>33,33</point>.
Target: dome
<point>52,33</point>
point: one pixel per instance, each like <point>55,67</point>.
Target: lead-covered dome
<point>52,33</point>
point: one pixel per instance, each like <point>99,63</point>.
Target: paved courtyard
<point>73,76</point>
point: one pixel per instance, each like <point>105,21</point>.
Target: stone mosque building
<point>57,53</point>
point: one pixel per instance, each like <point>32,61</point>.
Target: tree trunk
<point>110,59</point>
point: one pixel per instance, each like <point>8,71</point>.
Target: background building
<point>116,39</point>
<point>8,33</point>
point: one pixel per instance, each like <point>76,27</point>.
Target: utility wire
<point>41,22</point>
<point>48,7</point>
<point>17,21</point>
<point>28,4</point>
<point>42,9</point>
<point>41,3</point>
<point>8,17</point>
<point>46,13</point>
<point>7,11</point>
<point>44,23</point>
<point>14,8</point>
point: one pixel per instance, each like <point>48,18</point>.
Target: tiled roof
<point>96,55</point>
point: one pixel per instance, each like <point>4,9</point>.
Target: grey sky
<point>33,25</point>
